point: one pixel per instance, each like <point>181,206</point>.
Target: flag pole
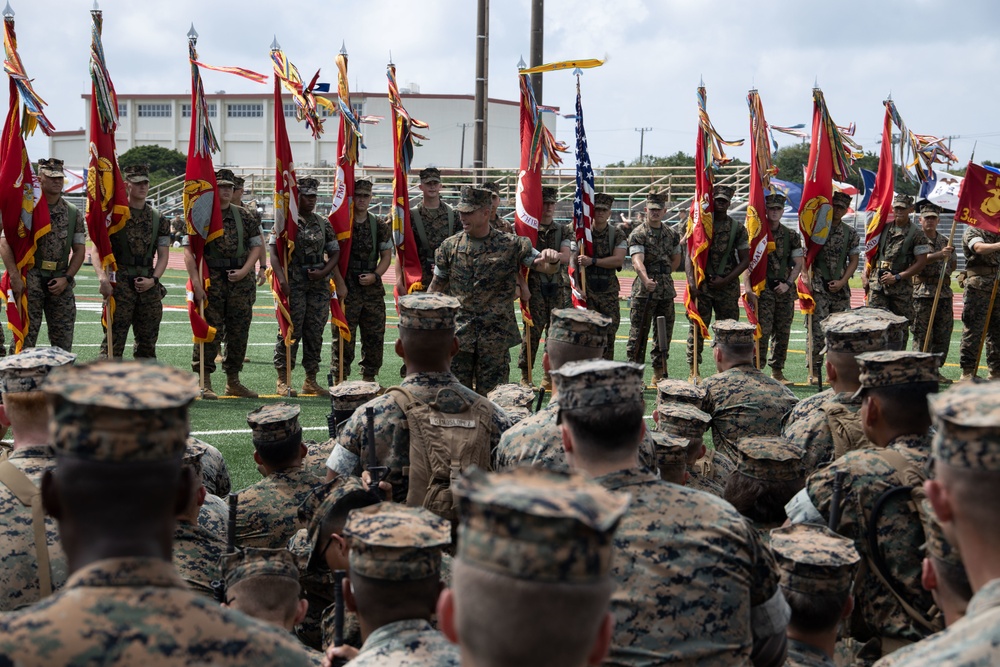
<point>201,345</point>
<point>111,324</point>
<point>288,345</point>
<point>986,327</point>
<point>583,272</point>
<point>937,293</point>
<point>527,356</point>
<point>697,343</point>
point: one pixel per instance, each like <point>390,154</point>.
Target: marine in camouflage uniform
<point>50,282</point>
<point>768,473</point>
<point>393,545</point>
<point>835,263</point>
<point>214,471</point>
<point>776,304</point>
<point>268,510</point>
<point>232,290</point>
<point>709,471</point>
<point>656,254</point>
<point>925,286</point>
<point>549,289</point>
<point>742,400</point>
<point>308,288</point>
<point>431,226</point>
<point>902,254</point>
<point>141,251</point>
<point>728,258</point>
<point>479,267</point>
<point>982,262</point>
<point>20,480</point>
<point>196,550</point>
<point>119,588</point>
<point>496,222</point>
<point>679,554</point>
<point>601,270</point>
<point>364,306</point>
<point>879,620</point>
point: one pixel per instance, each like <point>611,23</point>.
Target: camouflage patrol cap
<point>775,200</point>
<point>656,200</point>
<point>136,173</point>
<point>394,542</point>
<point>194,450</point>
<point>680,391</point>
<point>550,195</point>
<point>249,563</point>
<point>841,199</point>
<point>51,167</point>
<point>733,332</point>
<point>603,200</point>
<point>966,428</point>
<point>854,334</point>
<point>671,450</point>
<point>814,560</point>
<point>517,415</point>
<point>239,182</point>
<point>683,420</point>
<point>538,525</point>
<point>597,382</point>
<point>902,201</point>
<point>225,177</point>
<point>430,175</point>
<point>308,187</point>
<point>929,210</point>
<point>770,459</point>
<point>352,394</point>
<point>27,370</point>
<point>492,186</point>
<point>575,326</point>
<point>723,192</point>
<point>937,545</point>
<point>363,186</point>
<point>428,311</point>
<point>274,423</point>
<point>896,325</point>
<point>511,396</point>
<point>473,199</point>
<point>120,411</point>
<point>319,503</point>
<point>890,368</point>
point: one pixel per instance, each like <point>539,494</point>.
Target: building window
<point>245,111</point>
<point>326,113</point>
<point>154,110</point>
<point>289,108</point>
<point>122,110</point>
<point>358,109</point>
<point>213,110</point>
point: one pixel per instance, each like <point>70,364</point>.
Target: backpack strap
<point>151,250</point>
<point>734,229</point>
<point>74,215</point>
<point>911,232</point>
<point>418,226</point>
<point>31,496</point>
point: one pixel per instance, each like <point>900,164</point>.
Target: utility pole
<point>642,139</point>
<point>482,89</point>
<point>461,155</point>
<point>537,39</point>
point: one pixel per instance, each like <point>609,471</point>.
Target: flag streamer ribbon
<point>306,102</point>
<point>758,228</point>
<point>238,71</point>
<point>34,105</point>
<point>585,63</point>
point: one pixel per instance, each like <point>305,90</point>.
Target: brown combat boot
<point>780,377</point>
<point>525,380</point>
<point>966,376</point>
<point>207,394</point>
<point>547,382</point>
<point>236,388</point>
<point>281,388</point>
<point>311,387</point>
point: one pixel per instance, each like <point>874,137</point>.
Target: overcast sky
<point>938,58</point>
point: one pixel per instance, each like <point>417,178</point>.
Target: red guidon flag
<point>286,214</point>
<point>880,203</point>
<point>701,214</point>
<point>815,211</point>
<point>979,198</point>
<point>758,227</point>
<point>342,213</point>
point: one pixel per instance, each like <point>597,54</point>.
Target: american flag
<point>583,203</point>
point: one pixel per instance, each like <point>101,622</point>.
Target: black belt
<point>361,267</point>
<point>134,271</point>
<point>226,263</point>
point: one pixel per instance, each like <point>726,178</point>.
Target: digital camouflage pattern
<point>143,312</point>
<point>537,441</point>
<point>427,311</point>
<point>694,585</point>
<point>659,247</point>
<point>577,327</point>
<point>775,312</point>
<point>131,611</point>
<point>276,422</point>
<point>364,306</point>
<point>710,473</point>
<point>196,554</point>
<point>308,300</point>
<point>682,419</point>
<point>19,585</point>
<point>814,560</point>
<point>267,514</point>
<point>897,297</point>
<point>769,459</point>
<point>877,612</point>
<point>392,437</point>
<point>742,402</point>
<point>828,432</point>
<point>844,241</point>
<point>680,391</point>
<point>214,471</point>
<point>59,310</point>
<point>597,383</point>
<point>548,292</point>
<point>437,229</point>
<point>412,643</point>
<point>981,271</point>
<point>393,542</point>
<point>807,406</point>
<point>801,654</point>
<point>895,367</point>
<point>537,525</point>
<point>966,427</point>
<point>249,563</point>
<point>924,288</point>
<point>27,370</point>
<point>213,516</point>
<point>230,304</point>
<point>481,274</point>
<point>603,285</point>
<point>509,396</point>
<point>724,302</point>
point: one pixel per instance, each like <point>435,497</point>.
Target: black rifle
<point>377,472</point>
<point>338,612</point>
<point>541,396</point>
<point>331,419</point>
<point>838,490</point>
<point>661,340</point>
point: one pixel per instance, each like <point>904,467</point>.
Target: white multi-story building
<point>244,125</point>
